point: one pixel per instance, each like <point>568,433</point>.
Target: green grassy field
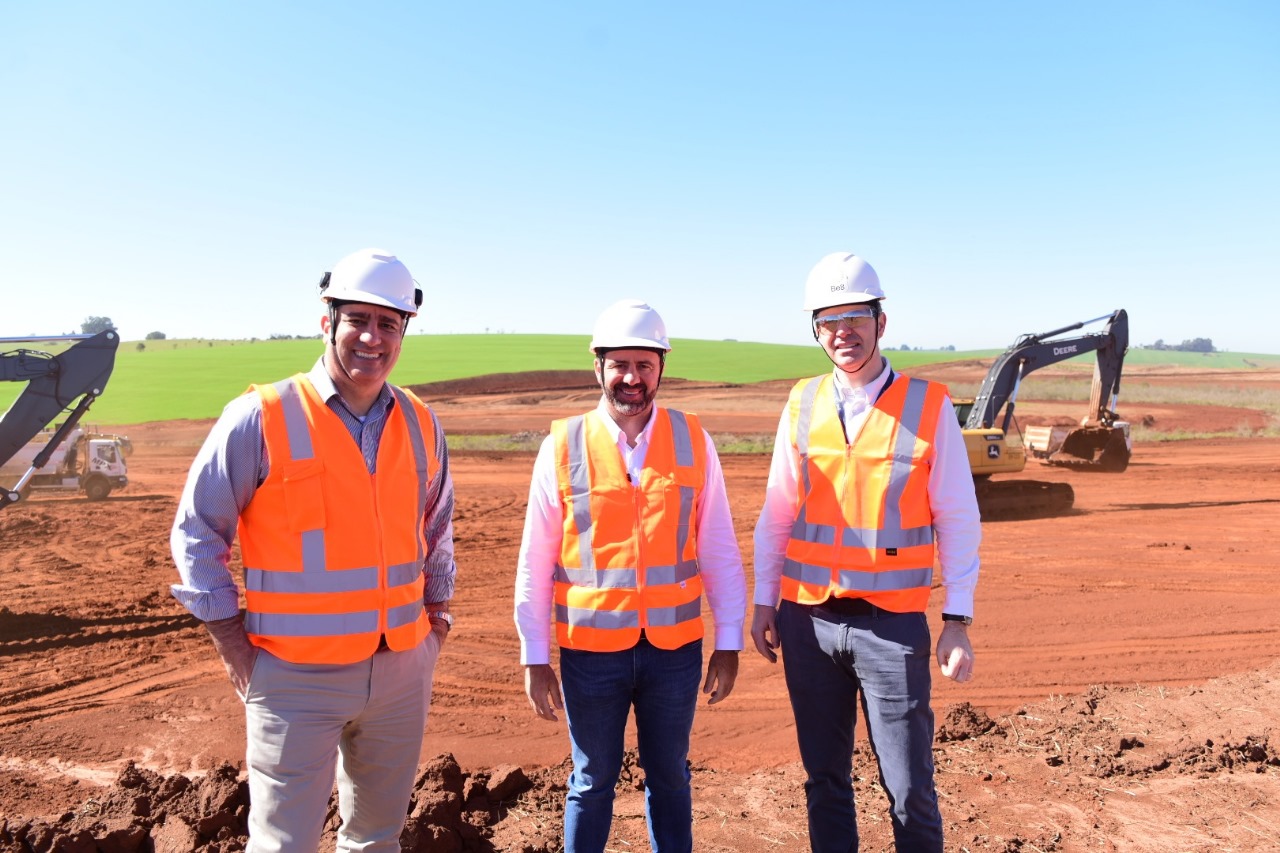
<point>169,380</point>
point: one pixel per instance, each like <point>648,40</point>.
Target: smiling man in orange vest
<point>628,524</point>
<point>869,482</point>
<point>337,484</point>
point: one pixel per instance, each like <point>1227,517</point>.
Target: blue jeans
<point>599,689</point>
<point>828,659</point>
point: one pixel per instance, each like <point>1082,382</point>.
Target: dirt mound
<point>449,811</point>
<point>534,382</point>
<point>509,383</point>
<point>1090,760</point>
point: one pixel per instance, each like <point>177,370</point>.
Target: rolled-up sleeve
<point>222,480</point>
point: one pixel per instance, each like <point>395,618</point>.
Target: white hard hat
<point>841,278</point>
<point>374,276</point>
<point>630,324</point>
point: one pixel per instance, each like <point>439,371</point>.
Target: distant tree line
<point>1193,345</point>
<point>93,325</point>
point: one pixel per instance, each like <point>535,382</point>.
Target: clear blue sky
<point>1007,167</point>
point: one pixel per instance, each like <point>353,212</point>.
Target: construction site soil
<point>1127,689</point>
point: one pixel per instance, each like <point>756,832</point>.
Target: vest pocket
<point>304,494</point>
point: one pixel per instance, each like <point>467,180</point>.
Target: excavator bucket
<point>1084,448</point>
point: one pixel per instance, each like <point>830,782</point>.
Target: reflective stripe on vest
<point>333,555</point>
<point>628,553</point>
<point>863,528</point>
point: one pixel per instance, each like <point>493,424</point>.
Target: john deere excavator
<point>996,446</point>
<point>68,382</point>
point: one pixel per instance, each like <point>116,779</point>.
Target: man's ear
<point>324,323</point>
<point>881,321</point>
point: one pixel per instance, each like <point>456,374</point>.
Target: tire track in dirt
<point>116,685</point>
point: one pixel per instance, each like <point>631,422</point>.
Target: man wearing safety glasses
<point>870,482</point>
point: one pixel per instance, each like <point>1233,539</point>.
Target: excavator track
<point>1010,500</point>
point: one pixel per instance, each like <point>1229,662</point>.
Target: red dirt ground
<point>1127,694</point>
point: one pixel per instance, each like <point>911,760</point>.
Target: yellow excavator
<point>996,445</point>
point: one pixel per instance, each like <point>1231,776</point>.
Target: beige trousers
<point>361,722</point>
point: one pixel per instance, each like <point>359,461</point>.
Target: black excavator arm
<point>1032,352</point>
<point>67,382</point>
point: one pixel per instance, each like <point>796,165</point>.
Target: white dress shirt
<point>719,560</point>
<point>956,522</point>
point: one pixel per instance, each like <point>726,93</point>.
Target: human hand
<point>440,628</point>
<point>764,632</point>
<point>722,672</point>
<point>237,653</point>
<point>955,654</point>
<point>543,689</point>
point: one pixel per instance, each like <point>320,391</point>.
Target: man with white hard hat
<point>337,484</point>
<point>628,523</point>
<point>870,481</point>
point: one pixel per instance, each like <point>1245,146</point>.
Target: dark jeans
<point>599,690</point>
<point>828,659</point>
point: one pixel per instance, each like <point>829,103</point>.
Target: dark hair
<point>603,352</point>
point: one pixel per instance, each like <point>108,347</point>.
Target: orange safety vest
<point>628,556</point>
<point>332,555</point>
<point>863,526</point>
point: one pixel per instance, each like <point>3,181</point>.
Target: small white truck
<point>59,388</point>
<point>87,462</point>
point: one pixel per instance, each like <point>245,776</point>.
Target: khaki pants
<point>363,722</point>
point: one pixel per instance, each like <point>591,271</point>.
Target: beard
<point>630,408</point>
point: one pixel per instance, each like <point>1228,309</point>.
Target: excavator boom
<point>1032,352</point>
<point>68,383</point>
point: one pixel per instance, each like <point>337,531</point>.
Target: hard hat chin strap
<point>336,304</point>
<point>333,323</point>
<point>603,353</point>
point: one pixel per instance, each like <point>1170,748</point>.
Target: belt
<point>848,606</point>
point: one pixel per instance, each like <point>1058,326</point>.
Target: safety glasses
<point>858,318</point>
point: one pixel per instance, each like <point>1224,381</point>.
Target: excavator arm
<point>67,382</point>
<point>1032,352</point>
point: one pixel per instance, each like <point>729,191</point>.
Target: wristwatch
<point>952,617</point>
<point>441,614</point>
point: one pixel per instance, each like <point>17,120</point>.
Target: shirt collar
<point>616,431</point>
<point>323,383</point>
<point>870,391</point>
